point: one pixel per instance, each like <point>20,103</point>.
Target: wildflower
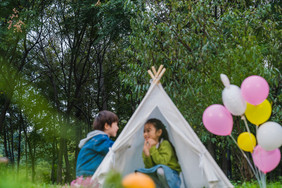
<point>82,183</point>
<point>19,23</point>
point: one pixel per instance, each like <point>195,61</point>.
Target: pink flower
<point>18,25</point>
<point>82,182</point>
<point>15,10</point>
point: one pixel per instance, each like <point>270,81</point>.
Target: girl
<point>97,143</point>
<point>159,156</point>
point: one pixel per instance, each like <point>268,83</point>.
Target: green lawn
<point>9,179</point>
<point>9,183</point>
<point>277,184</point>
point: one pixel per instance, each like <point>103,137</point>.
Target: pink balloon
<point>254,89</point>
<point>266,161</point>
<point>218,120</point>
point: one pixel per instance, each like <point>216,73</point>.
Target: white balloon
<point>233,100</point>
<point>269,135</point>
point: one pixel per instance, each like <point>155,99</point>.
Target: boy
<point>97,143</point>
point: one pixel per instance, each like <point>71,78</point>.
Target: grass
<point>10,179</point>
<point>10,183</point>
<point>254,184</point>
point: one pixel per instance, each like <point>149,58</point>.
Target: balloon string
<point>247,127</point>
<point>255,170</point>
<point>260,176</point>
<point>246,124</point>
<point>262,180</point>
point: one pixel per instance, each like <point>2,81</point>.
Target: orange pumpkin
<point>138,180</point>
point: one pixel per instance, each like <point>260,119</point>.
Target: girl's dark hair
<point>102,118</point>
<point>159,125</point>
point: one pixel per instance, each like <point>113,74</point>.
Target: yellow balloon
<point>246,141</point>
<point>258,114</point>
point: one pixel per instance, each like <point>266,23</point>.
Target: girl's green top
<point>164,154</point>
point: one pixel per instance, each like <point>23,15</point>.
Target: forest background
<point>63,61</point>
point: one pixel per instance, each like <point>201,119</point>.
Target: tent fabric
<point>198,167</point>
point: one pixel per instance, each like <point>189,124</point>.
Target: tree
<point>196,41</point>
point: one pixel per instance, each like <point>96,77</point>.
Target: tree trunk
<point>68,176</point>
<point>5,142</point>
<point>78,134</point>
<point>19,142</point>
<point>102,86</point>
<point>215,12</point>
<point>3,115</point>
<point>33,173</point>
<point>211,148</point>
<point>31,154</point>
<point>244,169</point>
<point>60,162</point>
<point>63,153</point>
<point>64,146</point>
<point>3,128</point>
<point>224,160</point>
<point>229,168</point>
<point>26,164</point>
<point>247,171</point>
<point>12,143</point>
<point>54,145</point>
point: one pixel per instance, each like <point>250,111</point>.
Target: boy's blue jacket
<point>94,148</point>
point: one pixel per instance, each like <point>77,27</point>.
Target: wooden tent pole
<point>151,74</point>
<point>160,76</point>
<point>162,73</point>
<point>156,76</point>
<point>154,70</point>
<point>160,68</point>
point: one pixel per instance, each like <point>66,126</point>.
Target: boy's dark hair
<point>159,125</point>
<point>102,118</point>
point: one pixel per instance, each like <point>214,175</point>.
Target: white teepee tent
<point>198,167</point>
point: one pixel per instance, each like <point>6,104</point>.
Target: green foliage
<point>11,179</point>
<point>73,59</point>
<point>113,180</point>
<point>196,42</point>
<point>195,46</point>
<point>254,184</point>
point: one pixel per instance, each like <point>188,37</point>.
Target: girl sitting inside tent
<point>159,156</point>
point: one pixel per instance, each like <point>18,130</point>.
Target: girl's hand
<point>147,145</point>
<point>151,142</point>
<point>146,148</point>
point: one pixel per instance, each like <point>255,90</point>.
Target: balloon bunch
<point>248,101</point>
